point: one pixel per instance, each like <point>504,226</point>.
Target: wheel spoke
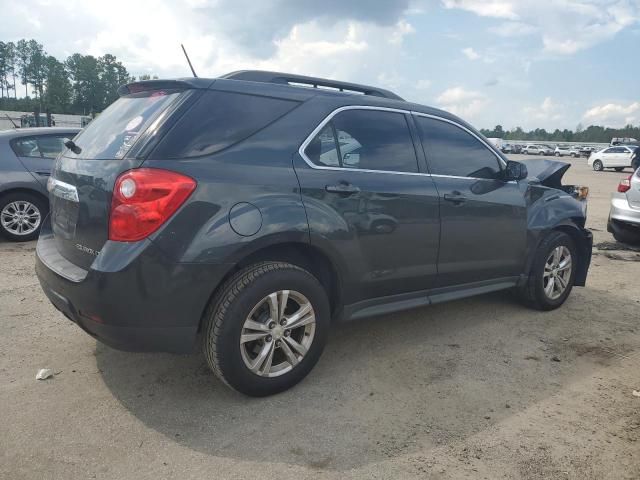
<point>291,356</point>
<point>265,353</point>
<point>562,283</point>
<point>253,325</point>
<point>556,256</point>
<point>273,306</point>
<point>301,349</point>
<point>302,317</point>
<point>549,288</point>
<point>284,298</point>
<point>251,337</point>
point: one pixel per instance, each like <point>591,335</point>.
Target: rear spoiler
<point>149,85</point>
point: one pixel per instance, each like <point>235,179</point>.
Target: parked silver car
<point>26,159</point>
<point>624,216</point>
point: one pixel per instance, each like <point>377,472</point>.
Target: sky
<point>529,63</point>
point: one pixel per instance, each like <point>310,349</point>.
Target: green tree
<point>23,54</point>
<point>58,86</point>
<point>87,93</point>
<point>112,75</point>
<point>36,70</point>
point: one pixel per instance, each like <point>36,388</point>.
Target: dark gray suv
<point>26,159</point>
<point>247,213</point>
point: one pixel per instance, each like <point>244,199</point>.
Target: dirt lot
<point>479,388</point>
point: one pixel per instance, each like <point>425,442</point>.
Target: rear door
<point>367,199</point>
<point>82,180</point>
<point>37,153</point>
<point>483,218</point>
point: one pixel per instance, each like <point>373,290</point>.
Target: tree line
<point>593,133</point>
<point>81,84</point>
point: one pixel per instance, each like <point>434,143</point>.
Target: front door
<point>483,218</point>
<point>367,201</point>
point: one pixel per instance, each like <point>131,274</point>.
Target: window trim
<point>327,119</point>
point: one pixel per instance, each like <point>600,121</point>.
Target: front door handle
<point>342,187</point>
<point>455,197</point>
<point>44,173</point>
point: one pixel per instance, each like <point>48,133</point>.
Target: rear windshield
<point>114,131</point>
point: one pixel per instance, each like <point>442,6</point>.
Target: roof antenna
<point>189,61</point>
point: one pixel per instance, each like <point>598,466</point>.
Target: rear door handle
<point>455,197</point>
<point>342,187</point>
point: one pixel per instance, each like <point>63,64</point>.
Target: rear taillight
<point>143,199</point>
<point>625,184</point>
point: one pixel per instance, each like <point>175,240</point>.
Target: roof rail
<point>304,81</point>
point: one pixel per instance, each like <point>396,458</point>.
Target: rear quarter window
<point>219,120</point>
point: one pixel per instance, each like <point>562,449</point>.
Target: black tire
<point>230,307</point>
<point>619,169</point>
<point>597,166</point>
<point>526,152</point>
<point>532,293</point>
<point>557,154</point>
<point>541,154</point>
<point>38,203</point>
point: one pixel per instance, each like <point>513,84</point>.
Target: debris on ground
<point>44,373</point>
<point>636,393</point>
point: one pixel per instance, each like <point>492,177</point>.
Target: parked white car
<point>618,158</point>
<point>624,216</point>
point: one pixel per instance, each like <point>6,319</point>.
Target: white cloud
<point>401,30</point>
<point>470,53</point>
<point>565,26</point>
<point>548,111</point>
<point>513,29</point>
<point>466,103</point>
<point>485,8</point>
<point>423,84</point>
<point>613,114</point>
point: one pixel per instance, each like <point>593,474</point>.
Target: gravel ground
<point>478,388</point>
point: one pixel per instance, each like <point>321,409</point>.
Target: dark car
<point>249,212</point>
<point>26,159</point>
<point>635,159</point>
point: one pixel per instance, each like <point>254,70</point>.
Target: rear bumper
<point>146,304</point>
<point>621,211</point>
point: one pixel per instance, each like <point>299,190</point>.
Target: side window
<point>50,146</point>
<point>323,149</point>
<point>26,147</point>
<point>365,139</point>
<point>453,151</point>
<point>219,120</point>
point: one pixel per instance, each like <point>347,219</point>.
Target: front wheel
<point>598,166</point>
<point>266,328</point>
<point>557,154</point>
<point>552,273</point>
<point>541,153</point>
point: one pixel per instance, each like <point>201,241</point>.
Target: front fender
<point>550,209</point>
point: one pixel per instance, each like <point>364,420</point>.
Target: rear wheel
<point>557,154</point>
<point>552,273</point>
<point>597,166</point>
<point>266,328</point>
<point>21,215</point>
<point>541,153</point>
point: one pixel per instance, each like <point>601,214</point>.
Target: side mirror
<point>515,171</point>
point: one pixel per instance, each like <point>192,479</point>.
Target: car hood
<point>546,172</point>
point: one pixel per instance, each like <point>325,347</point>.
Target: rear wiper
<point>70,144</point>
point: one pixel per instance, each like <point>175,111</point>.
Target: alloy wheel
<point>20,217</point>
<point>277,333</point>
<point>557,272</point>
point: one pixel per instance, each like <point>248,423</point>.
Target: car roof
<point>298,87</point>
<point>34,131</point>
